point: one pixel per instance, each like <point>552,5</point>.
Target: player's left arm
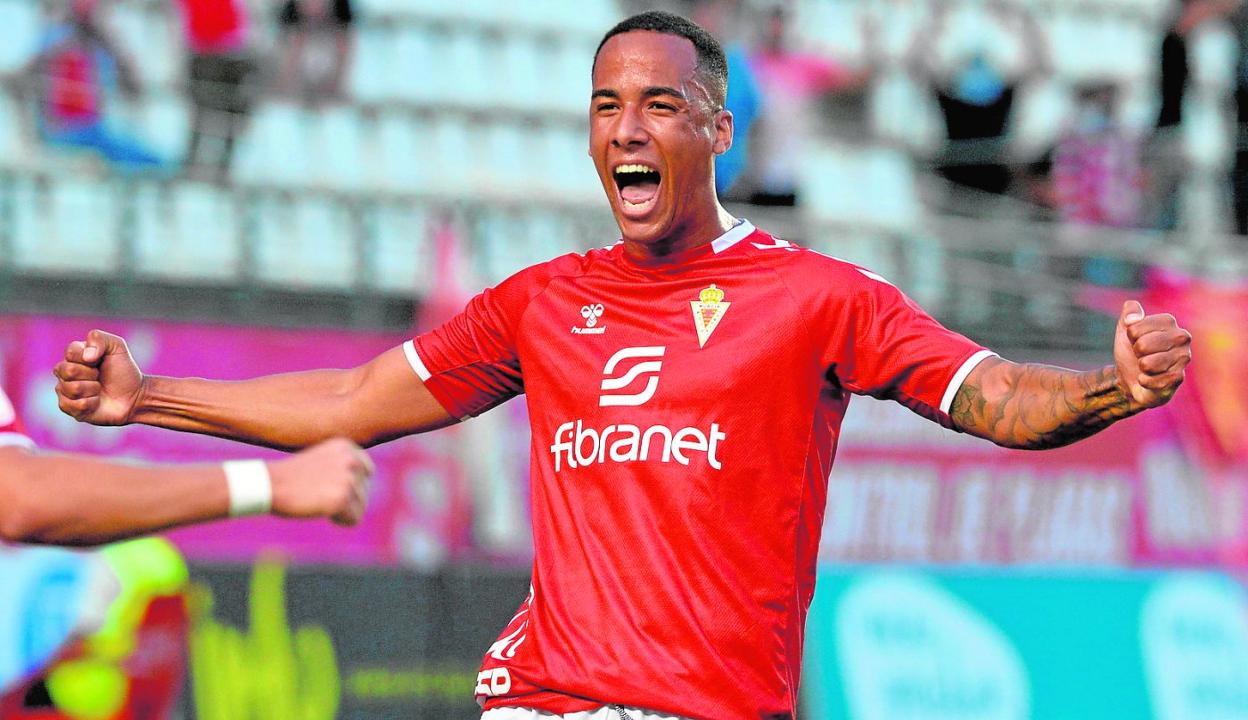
<point>1032,406</point>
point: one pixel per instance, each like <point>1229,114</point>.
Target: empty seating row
<point>419,61</point>
<point>1082,41</point>
<point>197,233</point>
<point>356,150</point>
<point>442,154</point>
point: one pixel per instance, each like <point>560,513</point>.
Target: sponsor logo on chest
<point>631,379</point>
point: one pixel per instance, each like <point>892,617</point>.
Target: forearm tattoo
<point>1039,406</point>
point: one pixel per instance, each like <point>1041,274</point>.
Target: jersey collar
<point>735,234</point>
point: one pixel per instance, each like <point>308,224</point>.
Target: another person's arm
<point>375,402</point>
<point>77,500</point>
<point>1035,407</point>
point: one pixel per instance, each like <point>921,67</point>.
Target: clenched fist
<point>98,381</point>
<point>1150,353</point>
<point>326,480</point>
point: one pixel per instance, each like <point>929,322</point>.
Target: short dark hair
<point>712,64</point>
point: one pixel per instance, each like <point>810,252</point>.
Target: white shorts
<point>609,712</point>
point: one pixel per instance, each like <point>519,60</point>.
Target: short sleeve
<point>890,348</point>
<point>471,364</point>
<point>11,432</point>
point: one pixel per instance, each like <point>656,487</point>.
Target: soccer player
<point>64,499</point>
<point>686,387</point>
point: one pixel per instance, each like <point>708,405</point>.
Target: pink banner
<point>906,490</point>
<point>421,509</point>
<point>903,489</point>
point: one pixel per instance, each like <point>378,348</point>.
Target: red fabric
<point>73,92</point>
<point>678,495</point>
<point>213,24</point>
<point>155,670</point>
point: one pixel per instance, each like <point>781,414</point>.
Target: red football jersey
<point>11,432</point>
<point>684,416</point>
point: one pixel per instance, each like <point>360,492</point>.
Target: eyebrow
<point>647,93</point>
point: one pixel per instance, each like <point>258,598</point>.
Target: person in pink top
<point>221,72</point>
<point>686,387</point>
<point>791,83</point>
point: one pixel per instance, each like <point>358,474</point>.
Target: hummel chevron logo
<point>778,245</point>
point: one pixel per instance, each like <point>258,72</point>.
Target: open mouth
<point>638,185</point>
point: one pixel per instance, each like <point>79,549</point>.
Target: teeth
<point>634,169</point>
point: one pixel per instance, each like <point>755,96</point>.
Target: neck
<point>687,236</point>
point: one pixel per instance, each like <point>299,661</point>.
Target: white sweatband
<point>251,490</point>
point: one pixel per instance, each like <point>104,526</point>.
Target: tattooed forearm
<point>1038,406</point>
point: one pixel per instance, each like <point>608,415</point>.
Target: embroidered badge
<point>708,310</point>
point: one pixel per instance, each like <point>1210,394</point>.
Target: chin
<point>645,232</point>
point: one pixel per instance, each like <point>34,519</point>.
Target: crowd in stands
<point>1101,162</point>
<point>78,64</point>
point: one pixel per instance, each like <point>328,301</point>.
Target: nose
<point>629,130</point>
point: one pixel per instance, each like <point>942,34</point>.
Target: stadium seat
<point>187,231</point>
<point>1074,44</point>
<point>404,160</point>
<point>872,187</point>
<point>498,237</point>
<point>521,79</point>
<point>336,147</point>
<point>164,123</point>
<point>589,18</point>
<point>21,21</point>
<point>417,70</point>
<point>455,155</point>
<point>829,27</point>
<point>552,234</point>
<point>69,227</point>
<point>509,160</point>
<point>570,73</point>
<point>369,79</point>
<point>467,69</point>
<point>309,242</point>
<point>400,261</point>
<point>275,148</point>
<point>149,37</point>
<point>569,173</point>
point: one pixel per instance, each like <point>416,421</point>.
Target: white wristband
<point>251,490</point>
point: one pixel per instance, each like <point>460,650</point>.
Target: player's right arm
<point>99,383</point>
<point>64,499</point>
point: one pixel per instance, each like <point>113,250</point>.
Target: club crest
<point>708,310</point>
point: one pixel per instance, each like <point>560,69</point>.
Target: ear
<point>723,132</point>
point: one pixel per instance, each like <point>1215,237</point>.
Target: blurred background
<point>241,187</point>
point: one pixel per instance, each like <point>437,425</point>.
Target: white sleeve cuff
<point>12,439</point>
<point>955,384</point>
<point>413,359</point>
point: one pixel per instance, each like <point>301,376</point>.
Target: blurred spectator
<point>76,66</point>
<point>722,18</point>
<point>221,71</point>
<point>1189,17</point>
<point>974,66</point>
<point>792,83</point>
<point>317,48</point>
<point>1095,174</point>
